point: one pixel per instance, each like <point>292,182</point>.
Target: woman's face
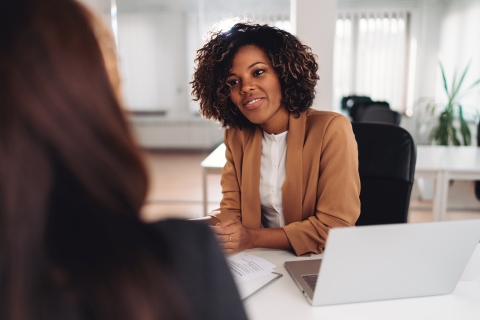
<point>255,87</point>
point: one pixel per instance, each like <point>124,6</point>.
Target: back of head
<point>57,96</point>
<point>71,179</point>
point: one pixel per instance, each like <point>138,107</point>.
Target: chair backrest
<point>355,104</point>
<point>380,113</point>
<point>349,101</point>
<point>358,109</point>
<point>387,156</point>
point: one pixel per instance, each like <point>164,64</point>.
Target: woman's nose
<point>247,86</point>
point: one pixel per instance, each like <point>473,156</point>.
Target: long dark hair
<point>71,178</point>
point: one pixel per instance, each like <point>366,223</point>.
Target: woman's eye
<point>259,72</point>
<point>232,82</point>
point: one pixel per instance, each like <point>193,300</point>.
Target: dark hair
<point>293,61</point>
<point>71,178</point>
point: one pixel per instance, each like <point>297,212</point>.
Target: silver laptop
<point>387,262</point>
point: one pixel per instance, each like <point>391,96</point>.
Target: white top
<point>272,176</point>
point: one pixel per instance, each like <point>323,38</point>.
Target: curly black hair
<point>294,63</point>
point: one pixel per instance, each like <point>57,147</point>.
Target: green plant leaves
<point>444,79</point>
<point>445,132</point>
<point>457,89</point>
<point>464,130</point>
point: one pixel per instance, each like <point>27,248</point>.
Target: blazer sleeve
<point>338,190</point>
<point>230,206</point>
<point>201,270</point>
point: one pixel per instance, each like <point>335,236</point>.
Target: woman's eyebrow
<point>248,68</point>
<point>253,64</point>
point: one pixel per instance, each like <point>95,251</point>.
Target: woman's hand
<point>233,236</point>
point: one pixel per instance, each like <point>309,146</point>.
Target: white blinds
<point>371,56</point>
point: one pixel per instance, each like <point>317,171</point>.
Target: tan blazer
<point>321,188</point>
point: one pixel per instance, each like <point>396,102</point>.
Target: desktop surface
<point>282,300</point>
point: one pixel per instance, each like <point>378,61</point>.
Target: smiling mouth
<point>252,101</point>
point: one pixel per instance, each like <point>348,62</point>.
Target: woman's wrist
<point>253,235</point>
<point>274,238</point>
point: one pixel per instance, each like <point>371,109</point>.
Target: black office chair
<point>387,156</point>
<point>380,113</point>
<point>357,105</point>
<point>350,102</point>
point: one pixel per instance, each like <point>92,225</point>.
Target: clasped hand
<point>233,236</point>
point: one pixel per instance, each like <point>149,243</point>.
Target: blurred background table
<point>213,164</point>
<point>445,163</point>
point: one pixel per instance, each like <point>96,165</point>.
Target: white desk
<point>438,162</point>
<point>282,300</point>
<point>444,164</point>
<point>213,164</point>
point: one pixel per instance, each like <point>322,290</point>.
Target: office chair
<point>349,102</point>
<point>380,113</point>
<point>387,156</point>
<point>356,105</point>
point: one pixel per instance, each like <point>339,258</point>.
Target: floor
<point>176,190</point>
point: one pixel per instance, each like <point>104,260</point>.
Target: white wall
<point>459,44</point>
<point>152,60</point>
<point>315,25</point>
<point>193,43</point>
<point>428,19</point>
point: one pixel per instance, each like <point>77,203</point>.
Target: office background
<point>389,50</point>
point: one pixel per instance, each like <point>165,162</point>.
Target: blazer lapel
<point>251,210</point>
<point>292,187</point>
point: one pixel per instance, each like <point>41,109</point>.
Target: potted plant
<point>443,123</point>
<point>446,127</point>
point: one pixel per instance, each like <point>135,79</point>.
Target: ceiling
<point>238,7</point>
<point>193,5</point>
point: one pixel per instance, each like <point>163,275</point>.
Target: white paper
<point>248,287</point>
<point>246,266</point>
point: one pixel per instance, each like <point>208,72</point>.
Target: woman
<point>290,169</point>
<point>72,182</point>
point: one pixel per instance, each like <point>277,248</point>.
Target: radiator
<point>160,133</point>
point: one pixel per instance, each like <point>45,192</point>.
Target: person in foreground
<point>72,183</point>
<point>292,171</point>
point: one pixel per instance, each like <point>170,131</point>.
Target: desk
<point>283,300</point>
<point>438,162</point>
<point>213,164</point>
<point>444,164</point>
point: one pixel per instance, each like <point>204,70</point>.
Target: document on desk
<point>251,273</point>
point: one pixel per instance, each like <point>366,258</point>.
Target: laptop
<point>381,262</point>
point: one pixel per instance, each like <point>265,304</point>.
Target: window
<point>371,56</point>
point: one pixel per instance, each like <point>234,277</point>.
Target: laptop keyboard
<point>311,280</point>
